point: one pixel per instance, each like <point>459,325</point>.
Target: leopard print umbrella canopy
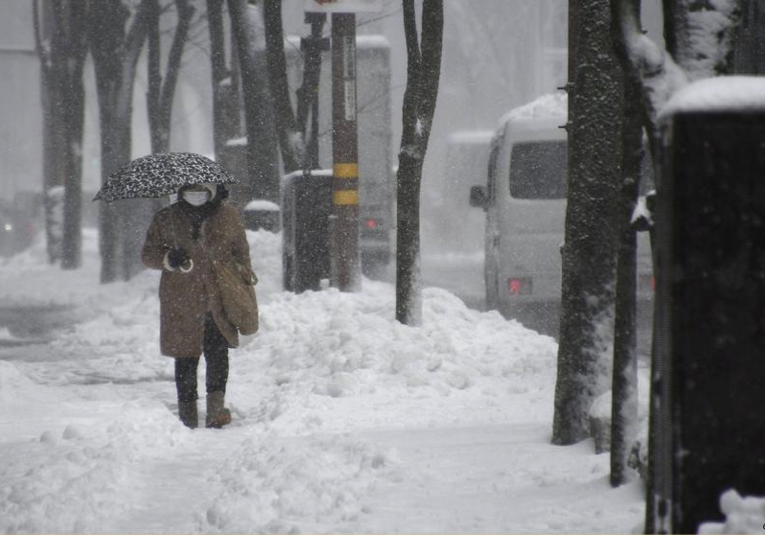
<point>161,174</point>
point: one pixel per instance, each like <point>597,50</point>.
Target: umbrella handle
<point>172,229</point>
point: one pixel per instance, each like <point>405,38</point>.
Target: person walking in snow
<point>183,241</point>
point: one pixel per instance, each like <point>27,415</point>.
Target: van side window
<point>538,170</point>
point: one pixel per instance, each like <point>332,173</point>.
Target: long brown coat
<point>186,297</point>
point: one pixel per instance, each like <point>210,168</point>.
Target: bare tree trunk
<point>62,57</point>
<point>308,93</point>
<point>290,141</point>
<point>73,101</point>
<point>589,254</point>
<point>162,91</point>
<point>262,154</point>
<point>53,177</point>
<point>624,403</point>
<point>115,55</point>
<point>220,75</point>
<point>423,75</point>
<point>227,124</point>
<point>154,78</point>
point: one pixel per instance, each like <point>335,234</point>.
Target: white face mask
<point>196,198</point>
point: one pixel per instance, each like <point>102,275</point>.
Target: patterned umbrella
<point>161,174</point>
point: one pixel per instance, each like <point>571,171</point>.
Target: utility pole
<point>344,226</point>
<point>345,266</point>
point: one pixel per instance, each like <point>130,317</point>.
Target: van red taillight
<point>519,285</point>
<point>371,224</point>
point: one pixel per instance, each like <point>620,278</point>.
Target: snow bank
<point>339,412</point>
<point>345,353</point>
<point>270,486</point>
<point>29,280</point>
<point>73,480</point>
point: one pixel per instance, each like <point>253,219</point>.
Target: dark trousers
<point>216,358</point>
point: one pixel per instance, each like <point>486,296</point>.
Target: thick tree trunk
<point>154,78</point>
<point>290,141</point>
<point>73,101</point>
<point>423,76</point>
<point>589,254</point>
<point>227,124</point>
<point>262,154</point>
<point>308,93</point>
<point>62,56</point>
<point>44,17</point>
<point>115,55</point>
<point>408,290</point>
<point>161,91</point>
<point>220,75</point>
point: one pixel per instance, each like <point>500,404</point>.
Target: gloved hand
<point>178,258</point>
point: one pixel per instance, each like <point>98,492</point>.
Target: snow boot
<point>217,414</point>
<point>187,412</point>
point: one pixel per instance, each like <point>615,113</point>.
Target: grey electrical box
<point>709,383</point>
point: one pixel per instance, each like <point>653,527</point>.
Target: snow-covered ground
<point>344,420</point>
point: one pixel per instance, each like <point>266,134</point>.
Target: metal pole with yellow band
<point>344,226</point>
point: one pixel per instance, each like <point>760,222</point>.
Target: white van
<point>525,204</point>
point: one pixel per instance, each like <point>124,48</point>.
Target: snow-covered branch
<point>657,72</point>
<point>705,39</point>
<point>701,44</point>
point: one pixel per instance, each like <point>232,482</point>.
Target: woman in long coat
<point>183,241</point>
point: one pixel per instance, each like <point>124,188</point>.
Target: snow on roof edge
<point>362,41</point>
<point>470,136</point>
<point>550,106</point>
<point>262,204</point>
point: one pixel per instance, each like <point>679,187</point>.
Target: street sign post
<point>344,229</point>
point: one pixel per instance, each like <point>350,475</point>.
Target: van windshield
<point>538,170</point>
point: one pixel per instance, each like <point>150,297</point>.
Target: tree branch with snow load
<point>699,35</point>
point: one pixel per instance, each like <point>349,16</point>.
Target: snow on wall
<point>722,93</point>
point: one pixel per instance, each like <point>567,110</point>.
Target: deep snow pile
<point>742,515</point>
<point>338,413</point>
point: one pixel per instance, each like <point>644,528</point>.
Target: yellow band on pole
<point>346,170</point>
<point>345,197</point>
